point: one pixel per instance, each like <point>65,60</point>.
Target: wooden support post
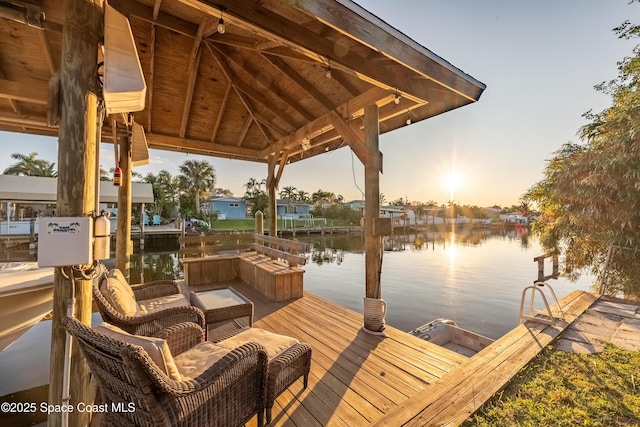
<point>76,190</point>
<point>123,234</point>
<point>272,183</point>
<point>142,225</point>
<point>372,242</point>
<point>259,219</point>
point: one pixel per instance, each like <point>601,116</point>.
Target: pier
<point>361,379</point>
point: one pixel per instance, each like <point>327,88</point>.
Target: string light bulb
<point>408,117</point>
<point>327,74</point>
<point>221,27</point>
<point>396,100</point>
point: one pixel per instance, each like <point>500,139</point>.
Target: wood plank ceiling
<point>286,78</point>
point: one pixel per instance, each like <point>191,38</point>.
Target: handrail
<point>532,314</point>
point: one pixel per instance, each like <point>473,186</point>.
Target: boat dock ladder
<point>534,314</point>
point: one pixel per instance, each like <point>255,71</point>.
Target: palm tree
<point>197,177</point>
<point>255,196</point>
<point>290,194</point>
<point>303,196</point>
<point>30,166</point>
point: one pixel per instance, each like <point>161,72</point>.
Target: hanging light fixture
<point>409,117</point>
<point>396,99</point>
<point>221,28</point>
<point>328,73</point>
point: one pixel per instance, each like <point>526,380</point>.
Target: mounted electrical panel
<point>65,241</point>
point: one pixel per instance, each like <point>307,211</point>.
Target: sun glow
<point>452,181</point>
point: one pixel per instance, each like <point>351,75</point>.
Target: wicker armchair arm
<point>155,289</point>
<point>148,324</point>
<point>182,336</point>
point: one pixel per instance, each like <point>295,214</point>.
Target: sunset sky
<point>539,60</point>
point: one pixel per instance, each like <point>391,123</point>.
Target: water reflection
<point>331,249</point>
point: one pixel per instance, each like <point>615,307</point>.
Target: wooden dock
<point>361,379</point>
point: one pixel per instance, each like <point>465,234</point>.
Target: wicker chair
<point>288,359</point>
<point>149,323</point>
<point>227,393</point>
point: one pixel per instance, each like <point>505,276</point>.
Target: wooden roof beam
<point>48,56</point>
<point>275,27</point>
<point>171,143</point>
<point>296,78</point>
<point>252,115</point>
<point>348,110</point>
<point>223,106</point>
<point>248,90</point>
<point>255,75</point>
<point>152,63</point>
<point>192,73</point>
<point>160,19</point>
<point>14,105</point>
<point>245,130</point>
<point>34,92</point>
<point>369,30</point>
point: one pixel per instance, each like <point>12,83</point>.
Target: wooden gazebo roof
<point>262,88</point>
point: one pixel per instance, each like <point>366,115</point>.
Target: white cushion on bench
<point>162,303</point>
<point>197,359</point>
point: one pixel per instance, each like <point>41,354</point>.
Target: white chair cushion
<point>274,343</point>
<point>157,348</point>
<point>117,274</point>
<point>197,359</point>
<point>152,305</point>
<point>119,296</point>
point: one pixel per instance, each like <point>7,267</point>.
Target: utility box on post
<point>65,241</point>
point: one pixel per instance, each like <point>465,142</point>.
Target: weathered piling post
<point>76,189</point>
<point>374,310</point>
<point>123,239</point>
<point>259,219</point>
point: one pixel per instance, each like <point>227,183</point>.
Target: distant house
<point>226,207</point>
<point>292,209</point>
<point>356,205</point>
<point>513,218</point>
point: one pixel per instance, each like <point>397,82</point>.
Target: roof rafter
<point>255,75</point>
<point>348,110</point>
<point>295,77</point>
<point>223,106</point>
<point>192,73</point>
<point>238,85</point>
<point>152,62</point>
<point>261,20</point>
<point>171,143</point>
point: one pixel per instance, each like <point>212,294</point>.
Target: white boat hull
<point>26,296</point>
<point>447,334</point>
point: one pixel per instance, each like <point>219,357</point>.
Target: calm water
<point>474,277</point>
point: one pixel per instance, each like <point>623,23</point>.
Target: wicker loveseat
<point>214,386</point>
<point>145,308</point>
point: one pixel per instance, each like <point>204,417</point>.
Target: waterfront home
<point>226,207</point>
<point>293,209</point>
<point>23,198</point>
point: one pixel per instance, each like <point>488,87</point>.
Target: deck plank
<point>362,379</point>
<point>458,394</point>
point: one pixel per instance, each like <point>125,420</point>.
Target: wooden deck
<point>361,379</point>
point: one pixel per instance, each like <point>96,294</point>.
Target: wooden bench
<point>271,266</point>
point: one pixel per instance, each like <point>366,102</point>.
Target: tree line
<point>589,197</point>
